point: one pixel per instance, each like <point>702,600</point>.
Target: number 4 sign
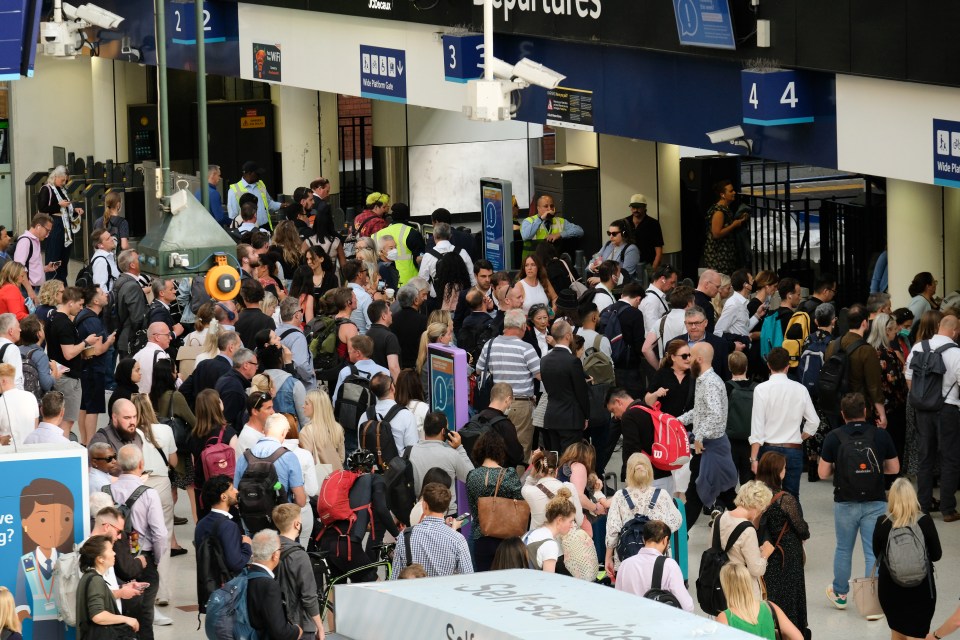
<point>775,97</point>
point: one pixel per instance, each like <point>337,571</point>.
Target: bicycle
<point>326,581</point>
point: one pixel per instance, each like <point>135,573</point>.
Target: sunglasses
<point>613,234</point>
<point>107,459</point>
<point>263,398</point>
<point>685,356</point>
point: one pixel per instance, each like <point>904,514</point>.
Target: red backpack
<point>671,444</point>
<point>333,504</point>
<point>218,458</point>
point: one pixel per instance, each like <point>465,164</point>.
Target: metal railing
<point>353,133</point>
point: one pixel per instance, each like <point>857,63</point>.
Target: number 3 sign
<point>775,97</point>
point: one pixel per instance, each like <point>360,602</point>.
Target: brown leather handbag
<point>502,517</point>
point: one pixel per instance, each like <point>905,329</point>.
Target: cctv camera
<point>535,73</point>
<point>501,69</point>
<point>93,14</point>
<point>726,135</point>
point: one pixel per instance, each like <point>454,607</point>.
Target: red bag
<point>671,444</point>
<point>218,459</point>
<point>333,505</point>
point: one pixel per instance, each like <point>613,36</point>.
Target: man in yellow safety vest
<point>545,225</point>
<point>410,244</point>
<point>251,183</point>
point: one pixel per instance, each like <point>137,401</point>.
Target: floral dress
<point>894,386</point>
<point>784,576</point>
<point>720,254</point>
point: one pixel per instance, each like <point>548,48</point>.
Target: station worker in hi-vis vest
<point>251,183</point>
<point>410,243</point>
<point>545,225</point>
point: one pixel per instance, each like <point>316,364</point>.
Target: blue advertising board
<point>383,73</point>
<point>704,23</point>
<point>946,153</point>
<point>449,394</point>
<point>43,512</point>
<point>462,57</point>
<point>775,97</point>
<point>496,244</point>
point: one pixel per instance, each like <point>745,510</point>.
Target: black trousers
<point>554,440</point>
<point>141,607</point>
<point>694,505</point>
<point>740,449</point>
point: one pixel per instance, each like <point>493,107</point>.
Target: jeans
<point>848,518</point>
<point>795,462</point>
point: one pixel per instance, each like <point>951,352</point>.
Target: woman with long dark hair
<point>533,284</point>
<point>127,377</point>
<point>301,288</point>
<point>923,291</point>
<point>325,237</point>
<point>211,427</point>
<point>452,278</point>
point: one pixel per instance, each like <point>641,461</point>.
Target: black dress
<point>786,585</point>
<point>679,398</point>
<point>909,610</point>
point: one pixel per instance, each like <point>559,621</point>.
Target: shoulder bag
<point>502,517</point>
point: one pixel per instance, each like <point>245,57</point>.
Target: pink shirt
<point>22,250</point>
<point>636,574</point>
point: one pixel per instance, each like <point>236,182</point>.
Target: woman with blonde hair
<point>9,620</point>
<point>746,612</point>
<point>261,382</point>
<point>437,332</point>
<point>286,245</point>
<point>49,296</point>
<point>909,610</point>
<point>639,497</point>
<point>13,275</point>
<point>201,326</point>
<point>543,548</point>
<point>322,435</point>
<point>740,524</point>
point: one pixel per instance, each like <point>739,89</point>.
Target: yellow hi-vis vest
<point>406,265</point>
<point>262,188</point>
<point>530,246</point>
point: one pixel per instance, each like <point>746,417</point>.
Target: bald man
<point>708,286</point>
<point>158,342</point>
<point>122,429</point>
<point>713,475</point>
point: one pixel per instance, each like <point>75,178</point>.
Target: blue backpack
<point>284,402</point>
<point>227,614</point>
<point>771,333</point>
<point>609,326</point>
<point>630,539</point>
<point>811,361</point>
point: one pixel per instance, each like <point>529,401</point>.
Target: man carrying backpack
<point>265,597</point>
<point>859,373</point>
<point>852,454</point>
<point>259,470</point>
<point>222,549</point>
<point>295,574</point>
<point>638,435</point>
<point>775,425</point>
<point>932,372</point>
<point>343,539</point>
<point>403,425</point>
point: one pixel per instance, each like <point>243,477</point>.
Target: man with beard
<point>221,495</point>
<point>122,429</point>
<point>713,476</point>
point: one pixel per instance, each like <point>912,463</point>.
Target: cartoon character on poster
<point>47,516</point>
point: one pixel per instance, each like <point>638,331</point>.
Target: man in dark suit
<point>232,387</point>
<point>209,371</point>
<point>264,599</point>
<point>251,319</point>
<point>219,497</point>
<point>566,384</point>
<point>696,322</point>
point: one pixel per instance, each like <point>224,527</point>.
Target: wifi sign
<point>462,57</point>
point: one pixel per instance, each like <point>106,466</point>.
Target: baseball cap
<point>251,167</point>
<point>638,199</point>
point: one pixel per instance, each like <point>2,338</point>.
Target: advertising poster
<point>43,513</point>
<point>266,62</point>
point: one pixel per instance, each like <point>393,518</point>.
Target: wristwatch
<point>754,460</point>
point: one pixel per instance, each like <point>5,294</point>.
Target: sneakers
<point>840,602</point>
<point>874,616</point>
<point>160,620</point>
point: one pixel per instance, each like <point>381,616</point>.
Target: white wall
<point>915,220</point>
<point>297,131</point>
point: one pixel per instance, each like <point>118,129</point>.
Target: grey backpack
<point>906,556</point>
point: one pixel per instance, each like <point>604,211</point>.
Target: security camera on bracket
<point>64,38</point>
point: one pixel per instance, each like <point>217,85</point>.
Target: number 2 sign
<point>775,97</point>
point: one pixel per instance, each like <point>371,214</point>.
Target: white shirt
<point>538,500</point>
<point>735,318</point>
<point>428,264</point>
<point>152,459</point>
<point>672,328</point>
<point>951,360</point>
<point>359,315</point>
<point>46,433</point>
<point>146,359</point>
<point>403,426</point>
<point>247,438</point>
<point>589,336</point>
<point>19,409</point>
<point>11,356</point>
<point>603,298</point>
<point>98,479</point>
<point>653,306</point>
<point>780,407</point>
<point>310,484</point>
<point>105,272</point>
<point>549,550</point>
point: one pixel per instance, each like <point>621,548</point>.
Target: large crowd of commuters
<point>252,409</point>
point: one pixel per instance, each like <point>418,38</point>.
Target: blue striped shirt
<point>513,361</point>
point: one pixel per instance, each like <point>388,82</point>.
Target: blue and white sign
<point>462,57</point>
<point>705,23</point>
<point>383,73</point>
<point>775,97</point>
<point>19,31</point>
<point>494,196</point>
<point>946,153</point>
<point>182,22</point>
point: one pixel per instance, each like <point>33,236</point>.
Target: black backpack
<point>377,436</point>
<point>926,383</point>
<point>31,374</point>
<point>739,409</point>
<point>656,592</point>
<point>630,538</point>
<point>472,338</point>
<point>858,472</point>
<point>441,257</point>
<point>400,492</point>
<point>126,508</point>
<point>353,399</point>
<point>609,325</point>
<point>212,571</point>
<point>85,276</point>
<point>834,379</point>
<point>260,490</point>
<point>478,425</point>
<point>709,592</point>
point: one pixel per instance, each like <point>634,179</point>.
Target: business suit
<point>569,401</point>
<point>265,605</point>
<point>205,376</point>
<point>720,352</point>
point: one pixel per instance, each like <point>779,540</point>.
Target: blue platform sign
<point>462,57</point>
<point>705,23</point>
<point>494,194</point>
<point>19,31</point>
<point>946,153</point>
<point>182,21</point>
<point>775,97</point>
<point>383,73</point>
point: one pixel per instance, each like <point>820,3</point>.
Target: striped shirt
<point>513,361</point>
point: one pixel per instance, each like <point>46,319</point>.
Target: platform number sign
<point>462,57</point>
<point>777,97</point>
